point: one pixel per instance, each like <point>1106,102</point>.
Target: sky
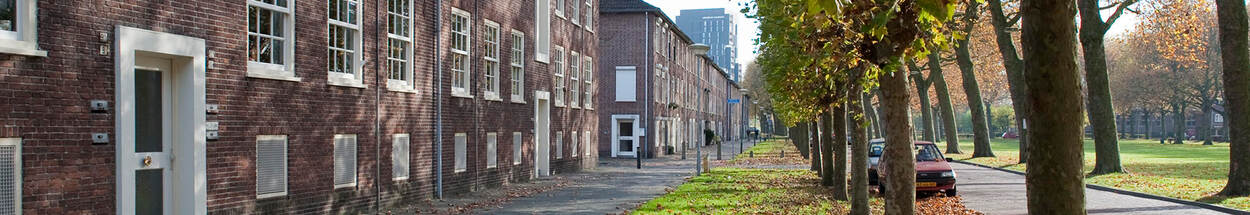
<point>748,29</point>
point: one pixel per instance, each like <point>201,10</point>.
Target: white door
<point>153,137</point>
<point>625,140</point>
<point>542,137</point>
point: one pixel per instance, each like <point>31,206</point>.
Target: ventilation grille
<point>10,178</point>
<point>271,166</point>
<point>345,160</point>
<point>399,152</point>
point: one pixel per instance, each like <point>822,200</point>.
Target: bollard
<point>752,154</point>
<point>783,153</point>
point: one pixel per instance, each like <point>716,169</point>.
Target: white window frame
<point>626,91</point>
<point>557,65</point>
<point>516,148</point>
<point>589,142</point>
<point>286,70</point>
<point>353,76</point>
<point>542,31</point>
<point>285,165</point>
<point>401,157</point>
<point>573,151</point>
<point>491,73</point>
<point>559,9</point>
<point>25,39</point>
<point>590,13</point>
<point>559,145</point>
<point>587,78</point>
<point>575,68</point>
<point>517,66</point>
<point>17,171</point>
<point>461,152</point>
<point>405,83</point>
<point>574,13</point>
<point>466,73</point>
<point>492,150</point>
<point>353,166</point>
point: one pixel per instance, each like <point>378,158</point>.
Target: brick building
<point>653,80</point>
<point>287,106</point>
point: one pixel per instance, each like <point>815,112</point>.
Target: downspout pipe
<point>646,93</point>
<point>377,102</point>
<point>438,101</point>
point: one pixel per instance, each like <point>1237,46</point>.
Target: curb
<point>1203,205</point>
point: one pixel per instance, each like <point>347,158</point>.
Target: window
<point>491,54</point>
<point>344,160</point>
<point>542,30</point>
<point>344,59</point>
<point>590,11</point>
<point>271,166</point>
<point>399,44</point>
<point>587,76</point>
<point>399,156</point>
<point>560,8</point>
<point>11,175</point>
<point>588,143</point>
<point>516,148</point>
<point>573,137</point>
<point>462,144</point>
<point>460,27</point>
<point>574,80</point>
<point>557,68</point>
<point>625,89</point>
<point>573,13</point>
<point>18,30</point>
<point>559,144</point>
<point>492,153</point>
<point>271,39</point>
<point>518,66</point>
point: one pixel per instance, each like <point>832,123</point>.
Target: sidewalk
<point>615,186</point>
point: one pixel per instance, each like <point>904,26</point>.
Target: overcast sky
<point>748,29</point>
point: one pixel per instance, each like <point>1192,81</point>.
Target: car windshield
<point>876,149</point>
<point>928,153</point>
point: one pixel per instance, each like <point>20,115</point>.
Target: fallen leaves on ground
<point>943,205</point>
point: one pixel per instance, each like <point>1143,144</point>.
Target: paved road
<point>618,186</point>
<point>997,192</point>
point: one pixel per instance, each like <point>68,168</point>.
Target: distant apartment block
<point>716,28</point>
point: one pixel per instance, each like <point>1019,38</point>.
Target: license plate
<point>926,184</point>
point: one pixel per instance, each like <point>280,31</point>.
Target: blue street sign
<point>734,101</point>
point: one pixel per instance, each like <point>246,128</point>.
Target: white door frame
<point>187,181</point>
<point>616,149</point>
<point>542,133</point>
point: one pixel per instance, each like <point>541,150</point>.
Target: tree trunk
<point>900,166</point>
<point>1015,73</point>
<point>980,127</point>
<point>1147,125</point>
<point>1178,123</point>
<point>871,114</point>
<point>798,134</point>
<point>1204,124</point>
<point>838,143</point>
<point>926,114</point>
<point>814,136</point>
<point>826,148</point>
<point>1101,112</point>
<point>859,152</point>
<point>1055,183</point>
<point>946,109</point>
<point>989,118</point>
<point>1132,124</point>
<point>1233,34</point>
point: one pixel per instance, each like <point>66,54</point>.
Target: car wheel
<point>881,188</point>
<point>952,192</point>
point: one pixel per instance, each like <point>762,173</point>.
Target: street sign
<point>734,101</point>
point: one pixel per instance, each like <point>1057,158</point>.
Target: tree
<point>833,150</point>
<point>1054,182</point>
<point>922,92</point>
<point>859,151</point>
<point>1015,70</point>
<point>1236,63</point>
<point>980,125</point>
<point>945,109</point>
<point>1101,110</point>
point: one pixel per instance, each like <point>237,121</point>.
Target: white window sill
<point>344,185</point>
<point>461,94</point>
<point>345,82</point>
<point>21,48</point>
<point>400,86</point>
<point>491,166</point>
<point>270,71</point>
<point>493,97</point>
<point>271,195</point>
<point>626,101</point>
<point>516,163</point>
<point>399,179</point>
<point>559,104</point>
<point>518,99</point>
<point>460,170</point>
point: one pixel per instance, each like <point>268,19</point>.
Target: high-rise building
<point>716,28</point>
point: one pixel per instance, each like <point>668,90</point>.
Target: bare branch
<point>1118,11</point>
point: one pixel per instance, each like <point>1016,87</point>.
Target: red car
<point>933,171</point>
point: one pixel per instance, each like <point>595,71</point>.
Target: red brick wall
<point>46,101</point>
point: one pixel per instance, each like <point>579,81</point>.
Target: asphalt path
<point>994,191</point>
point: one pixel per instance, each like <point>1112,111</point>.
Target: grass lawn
<point>750,191</point>
<point>1190,171</point>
